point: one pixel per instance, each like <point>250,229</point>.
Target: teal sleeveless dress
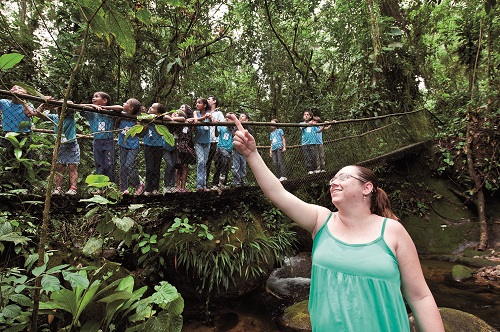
<point>355,287</point>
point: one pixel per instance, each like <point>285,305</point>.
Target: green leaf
<point>87,297</point>
<point>21,299</point>
<point>97,23</point>
<point>165,294</point>
<point>98,199</point>
<point>164,321</point>
<point>163,131</point>
<point>127,284</point>
<point>9,60</point>
<point>11,311</point>
<point>76,279</point>
<point>39,270</point>
<point>15,238</point>
<point>395,31</point>
<point>58,268</point>
<point>93,246</point>
<point>18,153</point>
<point>144,16</point>
<point>146,116</point>
<point>122,29</point>
<point>119,295</point>
<point>125,223</point>
<point>50,283</point>
<point>97,180</point>
<point>64,300</point>
<point>11,137</point>
<point>133,131</point>
<point>91,326</point>
<point>6,228</point>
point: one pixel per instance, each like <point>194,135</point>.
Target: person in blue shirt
<point>277,151</point>
<point>16,113</point>
<point>102,126</point>
<point>239,168</point>
<point>153,151</point>
<point>223,154</point>
<point>309,143</point>
<point>202,143</point>
<point>129,147</point>
<point>68,156</point>
<point>16,118</point>
<point>319,145</point>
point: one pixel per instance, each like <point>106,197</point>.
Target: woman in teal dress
<point>363,260</point>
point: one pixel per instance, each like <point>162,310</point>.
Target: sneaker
<point>310,172</point>
<point>126,192</point>
<point>139,190</point>
<point>154,192</point>
<point>215,188</point>
<point>283,178</point>
<point>57,191</point>
<point>71,191</point>
<point>147,193</point>
<point>323,171</point>
<point>221,186</point>
<point>169,190</point>
<point>317,171</point>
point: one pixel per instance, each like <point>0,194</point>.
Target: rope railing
<point>344,142</point>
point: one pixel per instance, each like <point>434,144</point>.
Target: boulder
<point>458,321</point>
<point>461,273</point>
<point>296,319</point>
<point>288,284</point>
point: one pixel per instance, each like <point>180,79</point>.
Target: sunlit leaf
<point>9,60</point>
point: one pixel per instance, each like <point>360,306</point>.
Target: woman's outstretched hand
<point>243,142</point>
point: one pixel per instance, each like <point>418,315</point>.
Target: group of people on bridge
<point>202,145</point>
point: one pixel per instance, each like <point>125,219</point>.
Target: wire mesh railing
<point>93,142</point>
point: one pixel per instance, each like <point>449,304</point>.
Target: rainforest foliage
<point>274,59</point>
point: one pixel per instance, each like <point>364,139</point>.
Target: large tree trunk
<point>479,200</point>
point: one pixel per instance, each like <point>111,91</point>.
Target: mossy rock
<point>458,321</point>
<point>296,318</point>
<point>461,273</point>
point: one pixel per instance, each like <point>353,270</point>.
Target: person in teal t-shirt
<point>309,142</point>
<point>277,151</point>
<point>223,155</point>
<point>363,259</point>
<point>102,127</point>
<point>68,156</point>
<point>128,146</point>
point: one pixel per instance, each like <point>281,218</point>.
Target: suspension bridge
<point>365,141</point>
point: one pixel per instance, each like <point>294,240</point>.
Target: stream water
<point>250,313</point>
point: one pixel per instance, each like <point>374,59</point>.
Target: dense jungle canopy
<point>274,58</point>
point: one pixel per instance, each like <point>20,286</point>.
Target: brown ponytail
<point>381,205</point>
<point>379,201</point>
